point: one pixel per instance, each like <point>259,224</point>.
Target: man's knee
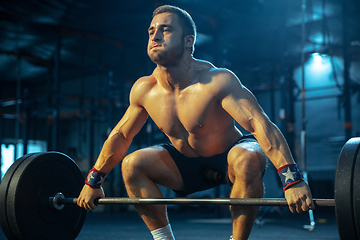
<point>132,165</point>
<point>248,163</point>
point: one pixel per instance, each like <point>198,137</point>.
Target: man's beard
<point>168,57</point>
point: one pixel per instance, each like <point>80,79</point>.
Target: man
<point>195,105</point>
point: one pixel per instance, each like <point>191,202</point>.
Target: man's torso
<point>192,117</point>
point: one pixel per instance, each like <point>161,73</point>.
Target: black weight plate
<point>35,180</point>
<point>3,194</point>
<point>344,191</point>
<point>356,187</point>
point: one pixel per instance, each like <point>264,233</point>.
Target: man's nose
<point>157,36</point>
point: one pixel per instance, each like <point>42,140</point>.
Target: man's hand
<point>299,198</point>
<point>88,195</point>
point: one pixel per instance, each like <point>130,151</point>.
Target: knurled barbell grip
<point>212,201</point>
<point>194,201</point>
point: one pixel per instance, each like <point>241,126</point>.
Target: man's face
<point>166,41</point>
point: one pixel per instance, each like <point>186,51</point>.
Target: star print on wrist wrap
<point>95,178</point>
<point>289,175</point>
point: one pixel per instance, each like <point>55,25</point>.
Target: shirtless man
<point>195,105</point>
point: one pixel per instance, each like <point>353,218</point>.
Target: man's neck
<point>175,77</point>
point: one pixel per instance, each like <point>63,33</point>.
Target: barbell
<point>33,203</point>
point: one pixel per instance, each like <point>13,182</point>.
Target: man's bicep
<point>245,109</point>
<point>135,116</point>
<point>241,104</point>
<point>237,100</point>
<point>132,122</point>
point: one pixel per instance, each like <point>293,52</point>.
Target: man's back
<point>190,115</point>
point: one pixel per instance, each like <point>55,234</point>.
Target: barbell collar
<point>54,202</point>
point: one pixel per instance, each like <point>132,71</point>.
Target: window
<point>7,157</point>
<point>8,152</point>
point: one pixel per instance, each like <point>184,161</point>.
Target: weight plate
<point>36,179</point>
<point>4,186</point>
<point>344,190</point>
<point>356,188</point>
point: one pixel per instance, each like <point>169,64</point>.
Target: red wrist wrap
<point>289,175</point>
<point>95,178</point>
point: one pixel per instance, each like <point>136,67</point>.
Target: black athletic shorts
<point>202,173</point>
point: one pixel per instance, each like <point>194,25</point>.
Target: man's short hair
<point>185,20</point>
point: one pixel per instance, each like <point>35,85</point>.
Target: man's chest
<point>188,112</point>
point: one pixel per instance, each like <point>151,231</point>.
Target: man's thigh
<point>157,164</point>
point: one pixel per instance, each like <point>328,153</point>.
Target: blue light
<point>318,72</point>
<point>319,63</point>
<point>316,59</point>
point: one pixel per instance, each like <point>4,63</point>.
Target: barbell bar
<point>33,203</point>
<point>59,200</point>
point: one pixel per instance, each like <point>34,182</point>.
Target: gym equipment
<point>24,195</point>
<point>34,191</point>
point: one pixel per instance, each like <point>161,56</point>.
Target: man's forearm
<point>278,152</point>
<point>112,152</point>
<point>280,155</point>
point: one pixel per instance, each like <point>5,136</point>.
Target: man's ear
<point>189,41</point>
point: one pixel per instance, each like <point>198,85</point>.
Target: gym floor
<point>198,224</point>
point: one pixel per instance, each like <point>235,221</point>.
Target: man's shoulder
<point>141,87</point>
<point>144,83</point>
<point>218,77</point>
<point>220,81</point>
<point>210,69</point>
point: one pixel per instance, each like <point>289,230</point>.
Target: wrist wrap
<point>289,175</point>
<point>95,178</point>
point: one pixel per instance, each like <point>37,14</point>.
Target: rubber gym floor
<point>204,224</point>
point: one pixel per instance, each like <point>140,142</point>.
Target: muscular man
<point>195,105</point>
